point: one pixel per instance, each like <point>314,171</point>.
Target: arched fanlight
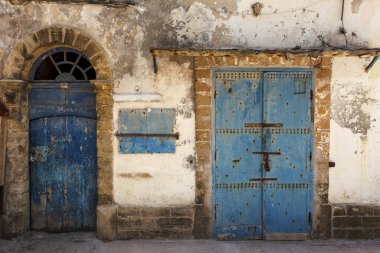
<point>62,65</point>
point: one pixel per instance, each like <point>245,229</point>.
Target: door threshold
<point>287,236</point>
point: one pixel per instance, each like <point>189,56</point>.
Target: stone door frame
<point>14,92</point>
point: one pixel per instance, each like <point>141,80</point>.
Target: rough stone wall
<point>203,127</point>
<point>352,221</point>
<point>15,218</point>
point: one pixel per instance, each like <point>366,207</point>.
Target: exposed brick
<point>359,210</point>
<point>202,62</point>
<point>323,98</point>
<point>203,111</point>
<point>202,135</point>
<point>323,73</point>
<point>202,87</point>
<point>347,222</point>
<point>202,99</point>
<point>203,148</point>
<point>359,234</point>
<point>202,124</point>
<point>202,73</point>
<point>326,62</point>
<point>339,210</point>
<point>371,222</point>
<point>323,111</point>
<point>323,123</point>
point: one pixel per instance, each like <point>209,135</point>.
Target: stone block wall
<point>154,222</point>
<point>15,218</point>
<point>351,221</point>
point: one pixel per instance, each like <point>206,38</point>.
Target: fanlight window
<point>63,64</point>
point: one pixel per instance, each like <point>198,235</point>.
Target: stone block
<point>136,223</point>
<point>353,234</point>
<point>339,233</point>
<point>202,222</point>
<point>186,211</point>
<point>124,212</point>
<point>106,222</point>
<point>360,210</point>
<point>339,210</point>
<point>371,222</point>
<point>347,222</point>
<point>155,211</point>
<point>175,222</point>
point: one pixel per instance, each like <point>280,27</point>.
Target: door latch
<point>265,158</point>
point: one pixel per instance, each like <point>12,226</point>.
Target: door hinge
<point>311,106</point>
<point>215,155</point>
<point>215,207</point>
<point>309,218</point>
<point>310,156</point>
<point>214,94</point>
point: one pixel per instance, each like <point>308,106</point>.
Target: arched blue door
<point>63,158</point>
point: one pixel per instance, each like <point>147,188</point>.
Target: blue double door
<point>63,157</point>
<point>262,178</point>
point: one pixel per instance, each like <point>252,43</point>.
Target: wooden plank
<point>3,141</point>
<point>314,53</point>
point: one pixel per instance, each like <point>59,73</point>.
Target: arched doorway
<point>62,142</point>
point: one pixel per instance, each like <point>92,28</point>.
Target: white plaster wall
<point>355,132</point>
<point>171,178</point>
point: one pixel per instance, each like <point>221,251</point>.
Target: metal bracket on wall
<point>370,65</point>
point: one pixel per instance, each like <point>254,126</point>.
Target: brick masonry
<point>203,117</point>
<point>355,221</point>
<point>154,222</point>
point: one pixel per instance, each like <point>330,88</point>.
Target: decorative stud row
<point>238,75</point>
<point>259,130</point>
<point>258,185</point>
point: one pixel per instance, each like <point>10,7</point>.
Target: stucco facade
<point>170,195</point>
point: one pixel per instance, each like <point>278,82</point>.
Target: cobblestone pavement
<point>86,242</point>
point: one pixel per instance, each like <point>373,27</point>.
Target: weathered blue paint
<point>146,131</point>
<point>260,195</point>
<point>63,158</point>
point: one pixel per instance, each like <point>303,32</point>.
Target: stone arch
<point>25,52</point>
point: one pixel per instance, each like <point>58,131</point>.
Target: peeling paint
<point>355,5</point>
<point>349,109</point>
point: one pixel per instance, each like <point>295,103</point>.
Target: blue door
<point>63,157</point>
<point>263,146</point>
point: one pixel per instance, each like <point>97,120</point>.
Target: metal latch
<point>265,160</point>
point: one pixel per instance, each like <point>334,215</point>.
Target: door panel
<point>287,101</point>
<point>237,200</point>
<point>262,170</point>
<point>63,158</point>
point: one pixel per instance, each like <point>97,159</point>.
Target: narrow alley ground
<point>86,242</point>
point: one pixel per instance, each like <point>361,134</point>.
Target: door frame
<point>312,138</point>
<point>62,85</point>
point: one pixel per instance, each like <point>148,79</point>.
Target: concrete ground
<point>86,242</point>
